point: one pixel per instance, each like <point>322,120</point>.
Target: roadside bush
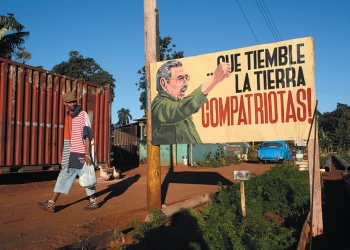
<point>219,159</point>
<point>281,193</point>
<point>270,198</point>
<point>284,190</point>
<point>252,153</point>
<point>157,219</point>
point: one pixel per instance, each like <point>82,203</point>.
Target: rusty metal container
<point>32,116</point>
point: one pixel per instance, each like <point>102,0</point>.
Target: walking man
<point>78,148</point>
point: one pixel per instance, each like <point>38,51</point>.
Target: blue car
<point>274,151</point>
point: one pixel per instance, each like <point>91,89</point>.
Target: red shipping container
<point>32,116</point>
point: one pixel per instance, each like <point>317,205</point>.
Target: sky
<point>112,33</point>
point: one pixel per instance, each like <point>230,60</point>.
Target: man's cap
<point>69,97</point>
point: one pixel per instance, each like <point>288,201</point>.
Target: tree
<point>9,42</point>
<point>21,55</point>
<point>84,68</point>
<point>165,48</point>
<point>325,141</point>
<point>124,117</point>
<point>334,129</point>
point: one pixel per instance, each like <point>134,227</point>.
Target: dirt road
<point>25,226</point>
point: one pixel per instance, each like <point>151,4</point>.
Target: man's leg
<point>54,196</point>
<point>50,205</point>
<point>93,204</point>
<point>90,192</point>
<point>63,185</point>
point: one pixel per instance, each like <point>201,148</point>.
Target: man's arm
<point>222,71</point>
<point>87,151</point>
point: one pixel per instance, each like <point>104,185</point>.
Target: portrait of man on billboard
<point>172,108</point>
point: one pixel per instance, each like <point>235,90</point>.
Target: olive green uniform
<point>172,118</point>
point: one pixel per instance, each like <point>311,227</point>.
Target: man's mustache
<point>183,89</point>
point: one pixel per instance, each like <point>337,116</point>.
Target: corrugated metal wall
<point>125,145</point>
<point>32,114</point>
<point>126,135</point>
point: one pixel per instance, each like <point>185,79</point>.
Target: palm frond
<point>10,23</point>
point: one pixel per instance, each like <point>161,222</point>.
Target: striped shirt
<point>75,132</point>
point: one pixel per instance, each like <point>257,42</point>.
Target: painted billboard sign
<point>264,92</point>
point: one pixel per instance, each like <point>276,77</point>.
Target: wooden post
<point>315,183</point>
<point>190,155</point>
<point>153,152</point>
<point>242,175</point>
<point>242,198</point>
<point>174,155</point>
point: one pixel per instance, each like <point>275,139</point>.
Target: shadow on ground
<point>21,178</point>
<point>336,214</point>
<point>186,177</point>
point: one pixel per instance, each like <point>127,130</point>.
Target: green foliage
<point>323,160</point>
<point>103,78</point>
<point>284,189</point>
<point>279,194</point>
<point>21,55</point>
<point>157,218</point>
<point>166,49</point>
<point>182,232</point>
<point>219,159</point>
<point>252,152</point>
<point>165,53</point>
<point>84,68</point>
<point>334,130</point>
<point>11,36</point>
<point>124,117</point>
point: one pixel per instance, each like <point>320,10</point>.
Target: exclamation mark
<point>309,110</point>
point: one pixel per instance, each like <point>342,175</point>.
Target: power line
<point>268,19</point>
<point>333,91</point>
<point>247,22</point>
<point>262,11</point>
<point>273,23</point>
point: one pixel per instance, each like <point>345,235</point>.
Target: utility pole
<point>315,183</point>
<point>153,152</point>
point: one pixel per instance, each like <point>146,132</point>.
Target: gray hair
<point>164,71</point>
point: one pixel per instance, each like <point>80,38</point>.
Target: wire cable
<point>267,21</point>
<point>273,23</point>
<point>333,91</point>
<point>248,22</point>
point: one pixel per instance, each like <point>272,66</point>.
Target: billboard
<point>263,92</point>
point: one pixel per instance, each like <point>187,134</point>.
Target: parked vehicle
<point>274,151</point>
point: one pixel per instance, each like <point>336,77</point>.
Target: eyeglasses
<point>181,79</point>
